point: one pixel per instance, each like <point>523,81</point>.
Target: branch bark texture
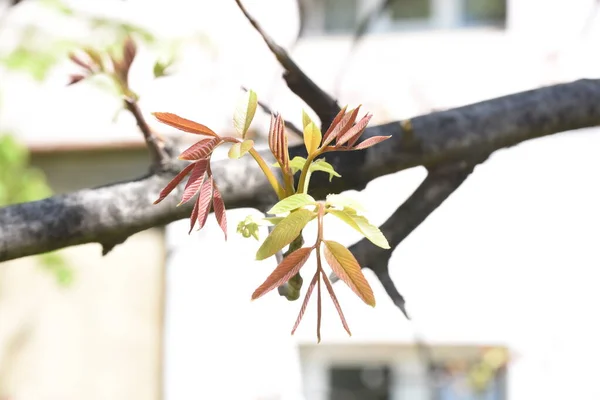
<point>109,214</point>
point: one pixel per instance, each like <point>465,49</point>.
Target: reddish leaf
<point>278,141</point>
<point>94,56</point>
<point>200,150</point>
<point>77,60</point>
<point>284,271</point>
<point>305,302</point>
<point>174,182</point>
<point>194,216</point>
<point>345,266</point>
<point>355,132</point>
<point>73,79</point>
<point>219,209</point>
<point>344,125</point>
<point>372,141</point>
<point>195,181</point>
<point>129,52</point>
<point>335,301</point>
<point>335,122</point>
<point>183,124</point>
<point>204,201</point>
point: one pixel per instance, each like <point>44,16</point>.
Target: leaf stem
<point>281,194</point>
<point>302,183</point>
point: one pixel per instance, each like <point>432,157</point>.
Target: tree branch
<point>159,150</point>
<point>440,183</point>
<point>322,104</point>
<point>467,134</point>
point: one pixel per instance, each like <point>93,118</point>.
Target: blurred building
<point>507,264</point>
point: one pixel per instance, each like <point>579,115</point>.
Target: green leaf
<point>361,224</point>
<point>291,203</point>
<point>323,166</point>
<point>58,266</point>
<point>305,119</point>
<point>244,112</point>
<point>274,220</point>
<point>284,233</point>
<point>341,201</point>
<point>345,266</point>
<point>312,137</point>
<point>239,149</point>
<point>249,227</point>
<point>296,164</point>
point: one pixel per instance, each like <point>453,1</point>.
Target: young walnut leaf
<point>219,209</point>
<point>343,127</point>
<point>323,166</point>
<point>194,181</point>
<point>295,165</point>
<point>312,137</point>
<point>372,141</point>
<point>355,132</point>
<point>311,287</point>
<point>284,233</point>
<point>284,271</point>
<point>173,183</point>
<point>334,123</point>
<point>239,149</point>
<point>206,193</point>
<point>361,224</point>
<point>342,201</point>
<point>278,142</point>
<point>244,112</point>
<point>183,124</point>
<point>194,216</point>
<point>305,119</point>
<point>345,266</point>
<point>291,203</point>
<point>200,150</point>
<point>249,227</point>
<point>336,303</point>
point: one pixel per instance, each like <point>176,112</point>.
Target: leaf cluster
<point>296,208</point>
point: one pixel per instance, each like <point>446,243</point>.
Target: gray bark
<point>467,135</point>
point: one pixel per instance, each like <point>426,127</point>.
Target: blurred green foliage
<point>37,55</point>
<point>19,182</point>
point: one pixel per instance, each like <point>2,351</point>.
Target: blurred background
<point>501,280</point>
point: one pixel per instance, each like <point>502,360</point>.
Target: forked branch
<point>322,104</point>
<point>439,184</point>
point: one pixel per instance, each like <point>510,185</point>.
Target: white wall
<point>508,259</point>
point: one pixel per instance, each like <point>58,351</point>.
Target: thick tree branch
<point>322,104</point>
<point>110,214</point>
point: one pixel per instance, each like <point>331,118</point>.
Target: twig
<point>158,148</point>
<point>323,105</point>
<point>359,33</point>
<point>267,110</point>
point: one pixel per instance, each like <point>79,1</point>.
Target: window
<point>458,386</point>
<point>410,9</point>
<point>340,15</point>
<point>359,383</point>
<point>488,12</point>
<point>344,16</point>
